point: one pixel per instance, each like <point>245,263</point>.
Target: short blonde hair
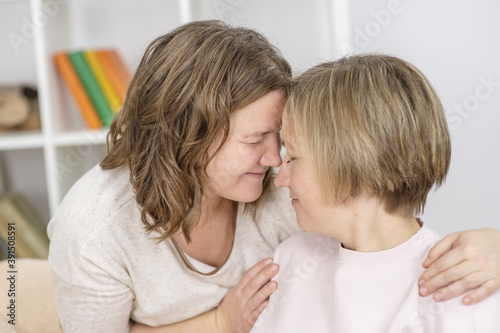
<point>188,84</point>
<point>371,123</point>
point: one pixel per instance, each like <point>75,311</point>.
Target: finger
<point>439,249</point>
<point>445,278</point>
<point>261,296</point>
<point>445,262</point>
<point>460,287</point>
<point>256,314</point>
<point>480,294</point>
<point>253,271</point>
<point>259,280</point>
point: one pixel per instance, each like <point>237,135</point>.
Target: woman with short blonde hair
<point>366,140</point>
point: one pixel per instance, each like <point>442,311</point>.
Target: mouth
<point>258,175</point>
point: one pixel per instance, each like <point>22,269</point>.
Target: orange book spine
<point>69,76</point>
<point>116,71</point>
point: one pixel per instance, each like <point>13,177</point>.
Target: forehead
<point>260,116</point>
<point>289,133</point>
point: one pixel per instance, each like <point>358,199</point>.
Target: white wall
<point>455,43</point>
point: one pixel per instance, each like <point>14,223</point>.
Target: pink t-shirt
<point>323,287</point>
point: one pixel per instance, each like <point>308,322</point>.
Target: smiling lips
<point>257,174</point>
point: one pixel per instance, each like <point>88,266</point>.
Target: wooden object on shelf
<point>19,109</point>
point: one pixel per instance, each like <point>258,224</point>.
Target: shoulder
<point>426,238</point>
<point>98,212</point>
<point>95,196</point>
<point>111,185</point>
<point>306,246</point>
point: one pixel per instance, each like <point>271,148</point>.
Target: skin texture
<point>237,171</point>
<point>245,302</point>
<point>461,262</point>
<point>360,222</point>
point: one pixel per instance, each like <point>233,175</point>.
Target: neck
<point>212,238</point>
<point>367,227</point>
<point>214,210</point>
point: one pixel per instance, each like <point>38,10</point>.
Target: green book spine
<point>90,83</point>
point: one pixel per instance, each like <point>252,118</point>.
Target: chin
<point>250,198</point>
<point>248,195</point>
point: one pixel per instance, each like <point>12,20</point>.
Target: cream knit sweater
<point>107,269</point>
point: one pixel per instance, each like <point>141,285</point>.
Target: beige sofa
<point>35,307</point>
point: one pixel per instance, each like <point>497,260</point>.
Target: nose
<point>283,177</point>
<point>271,156</point>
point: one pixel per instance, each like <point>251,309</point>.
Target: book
<point>92,87</point>
<point>30,242</point>
<point>116,71</point>
<point>4,249</point>
<point>22,249</point>
<point>104,81</point>
<point>120,64</point>
<point>72,81</point>
<point>29,214</point>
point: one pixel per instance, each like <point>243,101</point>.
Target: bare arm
<point>462,262</point>
<point>238,311</point>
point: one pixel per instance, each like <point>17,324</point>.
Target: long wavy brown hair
<point>188,84</point>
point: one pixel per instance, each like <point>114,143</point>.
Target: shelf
<point>35,139</point>
<point>81,138</point>
<point>65,149</point>
<point>21,140</point>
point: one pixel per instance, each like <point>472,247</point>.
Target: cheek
<point>226,167</point>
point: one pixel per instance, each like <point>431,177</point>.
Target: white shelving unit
<point>44,164</point>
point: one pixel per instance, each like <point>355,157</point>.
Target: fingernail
<point>467,300</point>
<point>268,261</point>
<point>421,282</point>
<point>273,268</point>
<point>271,286</point>
<point>438,297</point>
<point>423,291</point>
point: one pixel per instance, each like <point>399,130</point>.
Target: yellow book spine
<point>104,82</point>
